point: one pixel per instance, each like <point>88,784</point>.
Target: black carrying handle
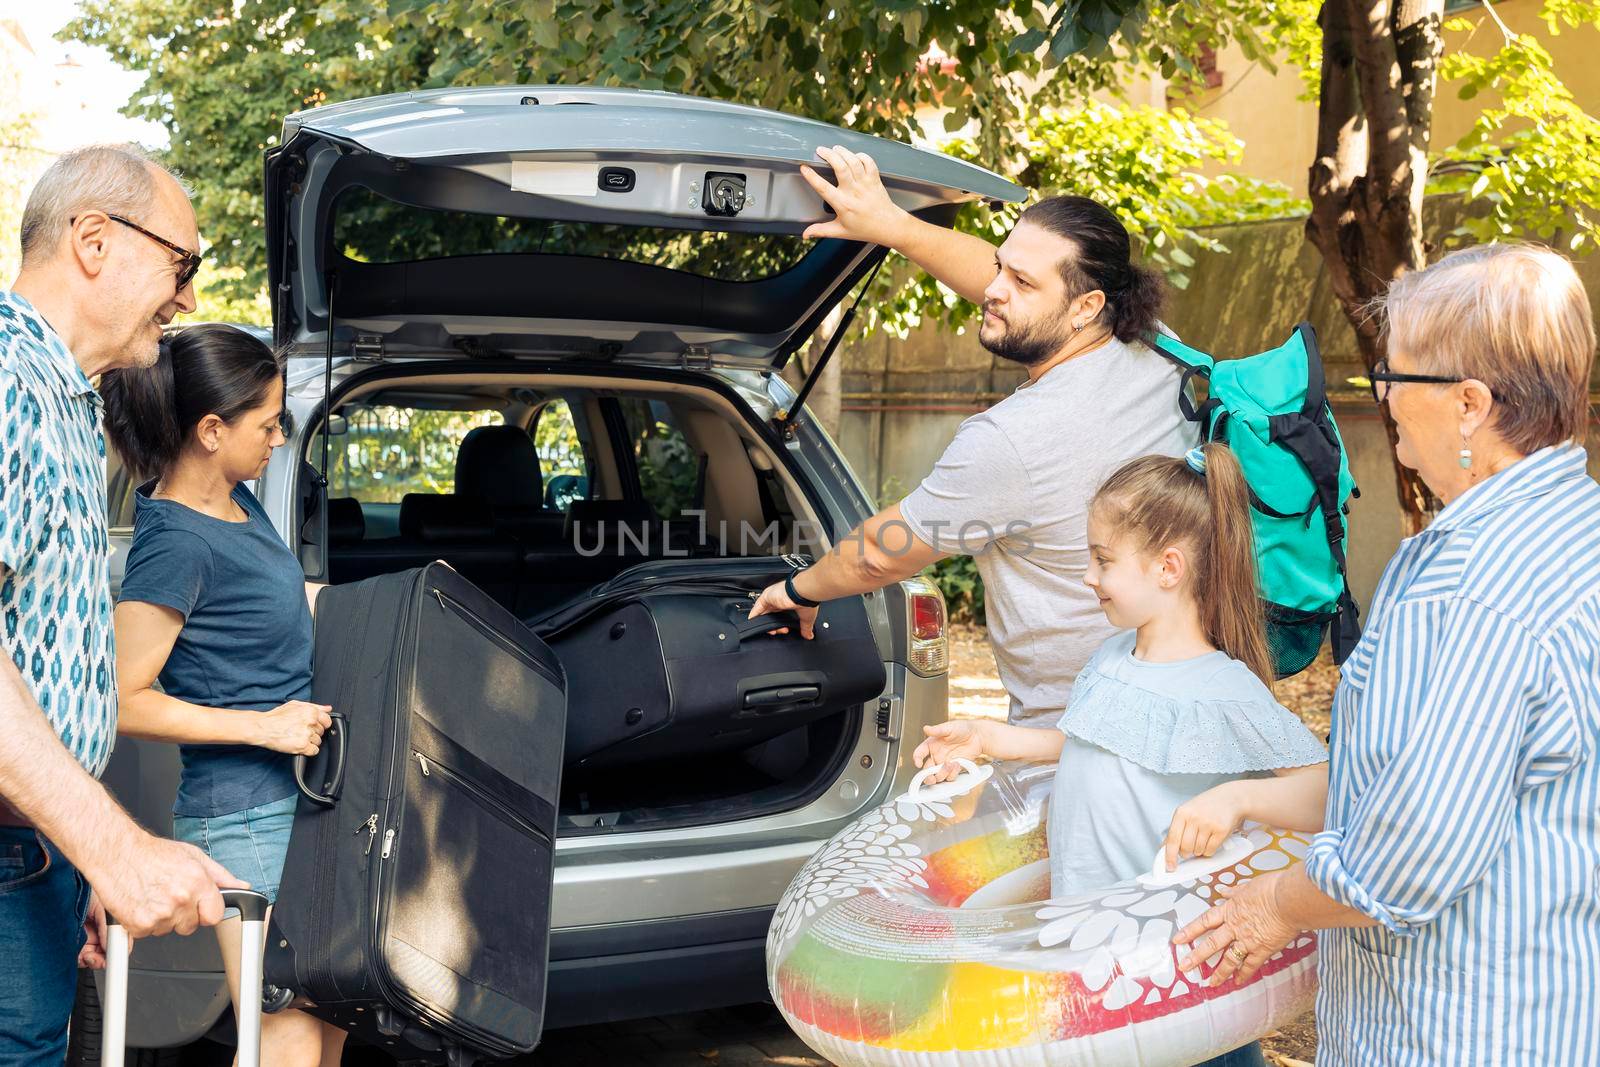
<point>774,620</point>
<point>333,738</point>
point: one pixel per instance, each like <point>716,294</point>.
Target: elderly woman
<point>1458,877</point>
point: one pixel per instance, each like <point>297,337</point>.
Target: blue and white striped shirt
<point>1464,794</point>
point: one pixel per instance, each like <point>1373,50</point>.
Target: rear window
<point>369,228</point>
<point>562,464</point>
<point>671,473</point>
<point>387,452</point>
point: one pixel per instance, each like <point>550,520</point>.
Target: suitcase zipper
<point>387,990</point>
<point>371,827</point>
<point>383,982</point>
<point>483,796</point>
<point>494,635</point>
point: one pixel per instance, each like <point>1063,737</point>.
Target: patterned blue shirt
<point>1464,795</point>
<point>55,591</point>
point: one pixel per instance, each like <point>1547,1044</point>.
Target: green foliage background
<point>223,76</point>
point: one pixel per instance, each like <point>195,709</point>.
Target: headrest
<point>346,523</point>
<point>607,514</point>
<point>500,464</point>
<point>445,517</point>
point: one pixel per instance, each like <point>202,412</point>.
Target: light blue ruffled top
<point>1142,738</point>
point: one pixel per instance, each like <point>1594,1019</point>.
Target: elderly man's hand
<point>163,886</point>
<point>1247,928</point>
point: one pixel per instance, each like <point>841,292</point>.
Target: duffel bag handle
<point>775,620</point>
<point>334,745</point>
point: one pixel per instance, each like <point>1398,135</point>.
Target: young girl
<point>1172,733</point>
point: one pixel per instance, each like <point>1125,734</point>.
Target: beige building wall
<point>1279,130</point>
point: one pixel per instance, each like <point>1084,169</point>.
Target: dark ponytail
<point>1135,295</point>
<point>210,369</point>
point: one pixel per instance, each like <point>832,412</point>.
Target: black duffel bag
<point>662,662</point>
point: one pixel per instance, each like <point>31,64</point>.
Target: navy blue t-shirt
<point>245,643</point>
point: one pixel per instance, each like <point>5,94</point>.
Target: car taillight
<point>925,626</point>
<point>927,616</point>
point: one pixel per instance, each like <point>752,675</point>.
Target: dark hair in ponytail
<point>1135,295</point>
<point>1162,501</point>
<point>210,369</point>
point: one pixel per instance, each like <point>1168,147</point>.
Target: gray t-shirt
<point>1013,492</point>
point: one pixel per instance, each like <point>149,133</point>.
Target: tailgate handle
<point>781,695</point>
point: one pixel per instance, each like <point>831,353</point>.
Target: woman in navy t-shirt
<point>214,605</point>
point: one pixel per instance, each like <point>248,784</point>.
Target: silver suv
<point>618,276</point>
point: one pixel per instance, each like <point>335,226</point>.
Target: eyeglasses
<point>190,261</point>
<point>1381,377</point>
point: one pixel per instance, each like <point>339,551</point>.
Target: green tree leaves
<point>1531,162</point>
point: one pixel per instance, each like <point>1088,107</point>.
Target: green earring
<point>1466,455</point>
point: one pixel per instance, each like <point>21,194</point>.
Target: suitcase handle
<point>114,1015</point>
<point>775,620</point>
<point>333,738</point>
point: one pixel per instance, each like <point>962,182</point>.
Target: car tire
<point>83,1035</point>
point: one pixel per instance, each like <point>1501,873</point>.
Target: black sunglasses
<point>1380,377</point>
<point>190,260</point>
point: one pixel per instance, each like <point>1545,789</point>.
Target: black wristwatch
<point>794,595</point>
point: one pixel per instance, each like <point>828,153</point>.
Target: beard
<point>1027,343</point>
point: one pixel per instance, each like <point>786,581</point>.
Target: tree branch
<point>1418,45</point>
<point>1382,92</point>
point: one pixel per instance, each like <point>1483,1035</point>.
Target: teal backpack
<point>1272,410</point>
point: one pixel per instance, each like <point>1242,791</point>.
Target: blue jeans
<point>1244,1056</point>
<point>251,844</point>
<point>43,901</point>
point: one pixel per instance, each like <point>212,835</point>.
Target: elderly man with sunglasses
<point>107,262</point>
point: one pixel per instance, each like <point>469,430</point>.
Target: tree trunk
<point>1380,61</point>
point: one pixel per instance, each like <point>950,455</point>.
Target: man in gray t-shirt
<point>1012,490</point>
<point>1038,456</point>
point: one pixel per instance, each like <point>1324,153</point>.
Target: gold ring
<point>1238,952</point>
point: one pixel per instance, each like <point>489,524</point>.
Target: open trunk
<point>629,520</point>
<point>585,245</point>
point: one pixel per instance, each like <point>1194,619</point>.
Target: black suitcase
<point>662,661</point>
<point>414,909</point>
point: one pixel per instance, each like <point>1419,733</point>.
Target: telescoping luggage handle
<point>114,1012</point>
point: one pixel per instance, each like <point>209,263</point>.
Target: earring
<point>1466,454</point>
<point>1077,327</point>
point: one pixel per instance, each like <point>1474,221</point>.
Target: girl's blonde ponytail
<point>1162,501</point>
<point>1230,603</point>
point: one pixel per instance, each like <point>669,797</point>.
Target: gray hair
<point>120,179</point>
<point>1514,316</point>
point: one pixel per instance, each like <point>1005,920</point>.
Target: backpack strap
<point>1194,364</point>
<point>1347,628</point>
<point>1307,434</point>
<point>1316,380</point>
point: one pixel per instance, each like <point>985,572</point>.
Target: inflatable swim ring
<point>923,934</point>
